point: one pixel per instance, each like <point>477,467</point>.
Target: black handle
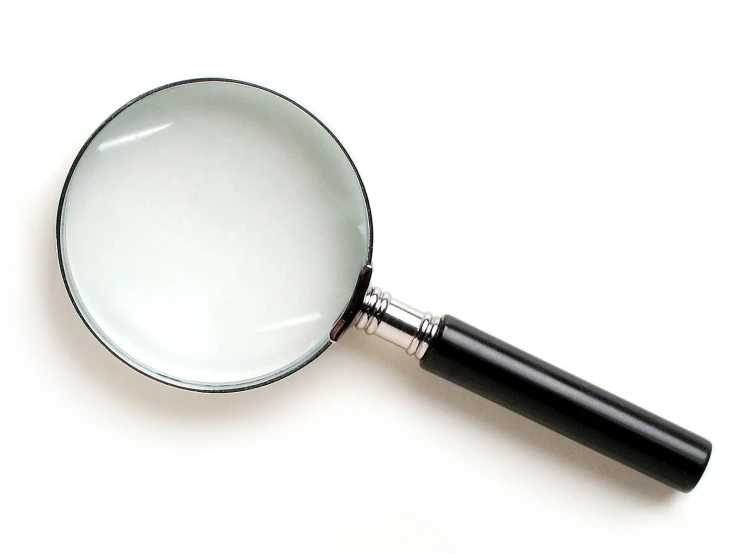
<point>566,404</point>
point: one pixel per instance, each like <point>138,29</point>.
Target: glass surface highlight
<point>212,233</point>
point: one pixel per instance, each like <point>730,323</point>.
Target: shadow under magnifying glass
<point>110,377</point>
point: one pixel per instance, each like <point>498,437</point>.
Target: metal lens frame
<point>344,321</point>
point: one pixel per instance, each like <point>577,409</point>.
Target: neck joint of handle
<point>396,322</point>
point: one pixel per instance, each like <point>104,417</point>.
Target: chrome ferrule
<point>396,322</point>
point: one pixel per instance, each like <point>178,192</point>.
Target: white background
<point>563,175</point>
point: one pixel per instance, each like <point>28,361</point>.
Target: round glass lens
<point>211,234</point>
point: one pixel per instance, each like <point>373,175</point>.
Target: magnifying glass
<point>215,236</point>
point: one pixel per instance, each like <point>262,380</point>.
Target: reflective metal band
<point>397,322</point>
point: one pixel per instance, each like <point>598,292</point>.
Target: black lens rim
<point>353,305</point>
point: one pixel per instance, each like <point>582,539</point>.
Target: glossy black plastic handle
<point>566,404</point>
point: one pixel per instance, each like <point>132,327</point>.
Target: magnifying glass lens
<point>211,234</point>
